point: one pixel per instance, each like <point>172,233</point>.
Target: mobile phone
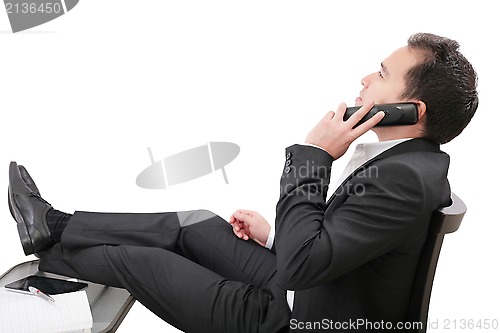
<point>395,114</point>
<point>47,285</point>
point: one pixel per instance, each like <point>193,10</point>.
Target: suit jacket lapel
<point>418,144</point>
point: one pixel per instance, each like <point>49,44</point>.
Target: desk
<point>108,305</point>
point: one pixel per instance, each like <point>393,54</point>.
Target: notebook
<point>24,313</point>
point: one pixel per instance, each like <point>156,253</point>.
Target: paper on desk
<point>24,313</point>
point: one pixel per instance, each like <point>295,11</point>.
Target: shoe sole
<point>21,225</point>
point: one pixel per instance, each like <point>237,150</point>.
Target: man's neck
<point>396,132</point>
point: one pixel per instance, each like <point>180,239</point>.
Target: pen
<point>41,294</point>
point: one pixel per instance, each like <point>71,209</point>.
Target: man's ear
<point>421,109</point>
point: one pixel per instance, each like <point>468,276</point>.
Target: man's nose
<point>365,81</point>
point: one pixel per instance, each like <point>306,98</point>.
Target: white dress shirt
<point>362,154</point>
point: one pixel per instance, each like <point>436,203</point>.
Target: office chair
<point>443,221</point>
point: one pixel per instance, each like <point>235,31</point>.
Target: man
<point>331,264</point>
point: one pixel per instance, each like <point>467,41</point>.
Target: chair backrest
<point>443,221</point>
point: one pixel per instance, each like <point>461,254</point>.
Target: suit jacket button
<point>287,169</point>
<point>288,162</point>
<point>288,156</point>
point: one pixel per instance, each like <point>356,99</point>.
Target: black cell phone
<point>47,285</point>
<point>395,114</point>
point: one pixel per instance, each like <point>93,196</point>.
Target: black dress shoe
<point>29,210</point>
<point>28,180</point>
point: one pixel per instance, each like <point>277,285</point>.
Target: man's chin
<point>358,101</point>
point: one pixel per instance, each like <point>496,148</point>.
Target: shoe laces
<point>36,195</point>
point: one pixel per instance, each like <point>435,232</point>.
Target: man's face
<point>387,85</point>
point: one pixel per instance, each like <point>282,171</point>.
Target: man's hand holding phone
<point>248,224</point>
<point>335,135</point>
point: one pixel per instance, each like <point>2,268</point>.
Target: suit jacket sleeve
<point>381,209</point>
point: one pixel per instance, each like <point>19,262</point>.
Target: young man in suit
<point>335,265</point>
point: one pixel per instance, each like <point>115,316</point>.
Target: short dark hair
<point>446,82</point>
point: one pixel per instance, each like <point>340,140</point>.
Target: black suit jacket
<point>352,259</point>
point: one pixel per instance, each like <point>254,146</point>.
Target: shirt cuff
<point>270,239</point>
<point>312,145</point>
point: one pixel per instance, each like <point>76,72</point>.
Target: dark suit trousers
<point>198,277</point>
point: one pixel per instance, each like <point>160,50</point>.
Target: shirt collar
<point>373,149</point>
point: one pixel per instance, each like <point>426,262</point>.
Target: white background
<point>83,96</point>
